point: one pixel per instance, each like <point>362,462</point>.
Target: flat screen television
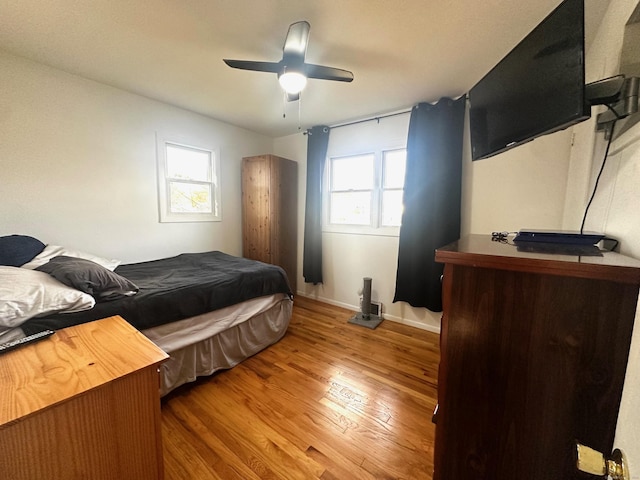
<point>538,88</point>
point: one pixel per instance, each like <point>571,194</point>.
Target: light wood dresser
<point>83,403</point>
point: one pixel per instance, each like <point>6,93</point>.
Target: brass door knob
<point>595,463</point>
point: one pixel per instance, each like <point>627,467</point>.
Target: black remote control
<point>5,347</point>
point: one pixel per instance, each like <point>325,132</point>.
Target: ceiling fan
<point>292,70</point>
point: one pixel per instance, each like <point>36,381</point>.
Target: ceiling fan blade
<point>327,73</point>
<point>271,67</point>
<point>295,45</point>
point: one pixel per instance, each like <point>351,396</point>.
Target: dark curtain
<point>432,189</point>
<point>317,142</point>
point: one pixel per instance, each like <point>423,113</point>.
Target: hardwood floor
<point>330,401</point>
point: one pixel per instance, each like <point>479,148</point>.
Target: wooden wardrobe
<point>270,212</point>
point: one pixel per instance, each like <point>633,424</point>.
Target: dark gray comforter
<point>176,288</point>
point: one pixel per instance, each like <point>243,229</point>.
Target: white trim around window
<point>362,188</point>
<point>188,181</point>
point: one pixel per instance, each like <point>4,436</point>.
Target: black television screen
<point>538,88</point>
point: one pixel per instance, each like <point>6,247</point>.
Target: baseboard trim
<point>385,316</point>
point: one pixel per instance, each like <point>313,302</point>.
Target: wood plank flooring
<point>330,401</point>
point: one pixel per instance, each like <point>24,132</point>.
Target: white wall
<point>523,188</point>
<point>615,209</point>
<point>78,166</point>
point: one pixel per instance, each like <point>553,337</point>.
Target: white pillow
<point>28,293</point>
<point>51,251</point>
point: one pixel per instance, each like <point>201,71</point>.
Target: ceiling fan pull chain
<point>284,104</point>
<point>299,108</point>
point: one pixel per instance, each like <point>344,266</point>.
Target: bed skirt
<point>226,348</point>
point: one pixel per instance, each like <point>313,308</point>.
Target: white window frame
<point>372,191</point>
<point>375,226</point>
<point>164,198</point>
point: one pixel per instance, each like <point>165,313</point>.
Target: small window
<point>365,192</point>
<point>188,183</point>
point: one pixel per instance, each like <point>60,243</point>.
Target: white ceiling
<point>400,51</point>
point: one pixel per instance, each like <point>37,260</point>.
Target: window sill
<point>362,230</point>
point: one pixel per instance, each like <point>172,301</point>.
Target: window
<point>393,168</point>
<point>365,192</point>
<point>352,183</point>
<point>188,183</point>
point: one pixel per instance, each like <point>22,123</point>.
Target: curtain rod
<point>371,119</point>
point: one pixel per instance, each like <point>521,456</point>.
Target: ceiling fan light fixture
<point>292,70</point>
<point>292,82</point>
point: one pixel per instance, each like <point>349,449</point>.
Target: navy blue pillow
<point>16,250</point>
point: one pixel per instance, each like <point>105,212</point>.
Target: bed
<point>208,311</point>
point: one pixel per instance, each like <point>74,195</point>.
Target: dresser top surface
<point>482,251</point>
<point>71,362</point>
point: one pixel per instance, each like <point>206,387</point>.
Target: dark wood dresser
<point>534,350</point>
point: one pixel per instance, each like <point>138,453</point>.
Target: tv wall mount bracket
<point>619,94</point>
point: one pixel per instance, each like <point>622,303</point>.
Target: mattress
<point>173,336</point>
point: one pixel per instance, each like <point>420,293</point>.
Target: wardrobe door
<point>256,206</point>
<point>270,212</point>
